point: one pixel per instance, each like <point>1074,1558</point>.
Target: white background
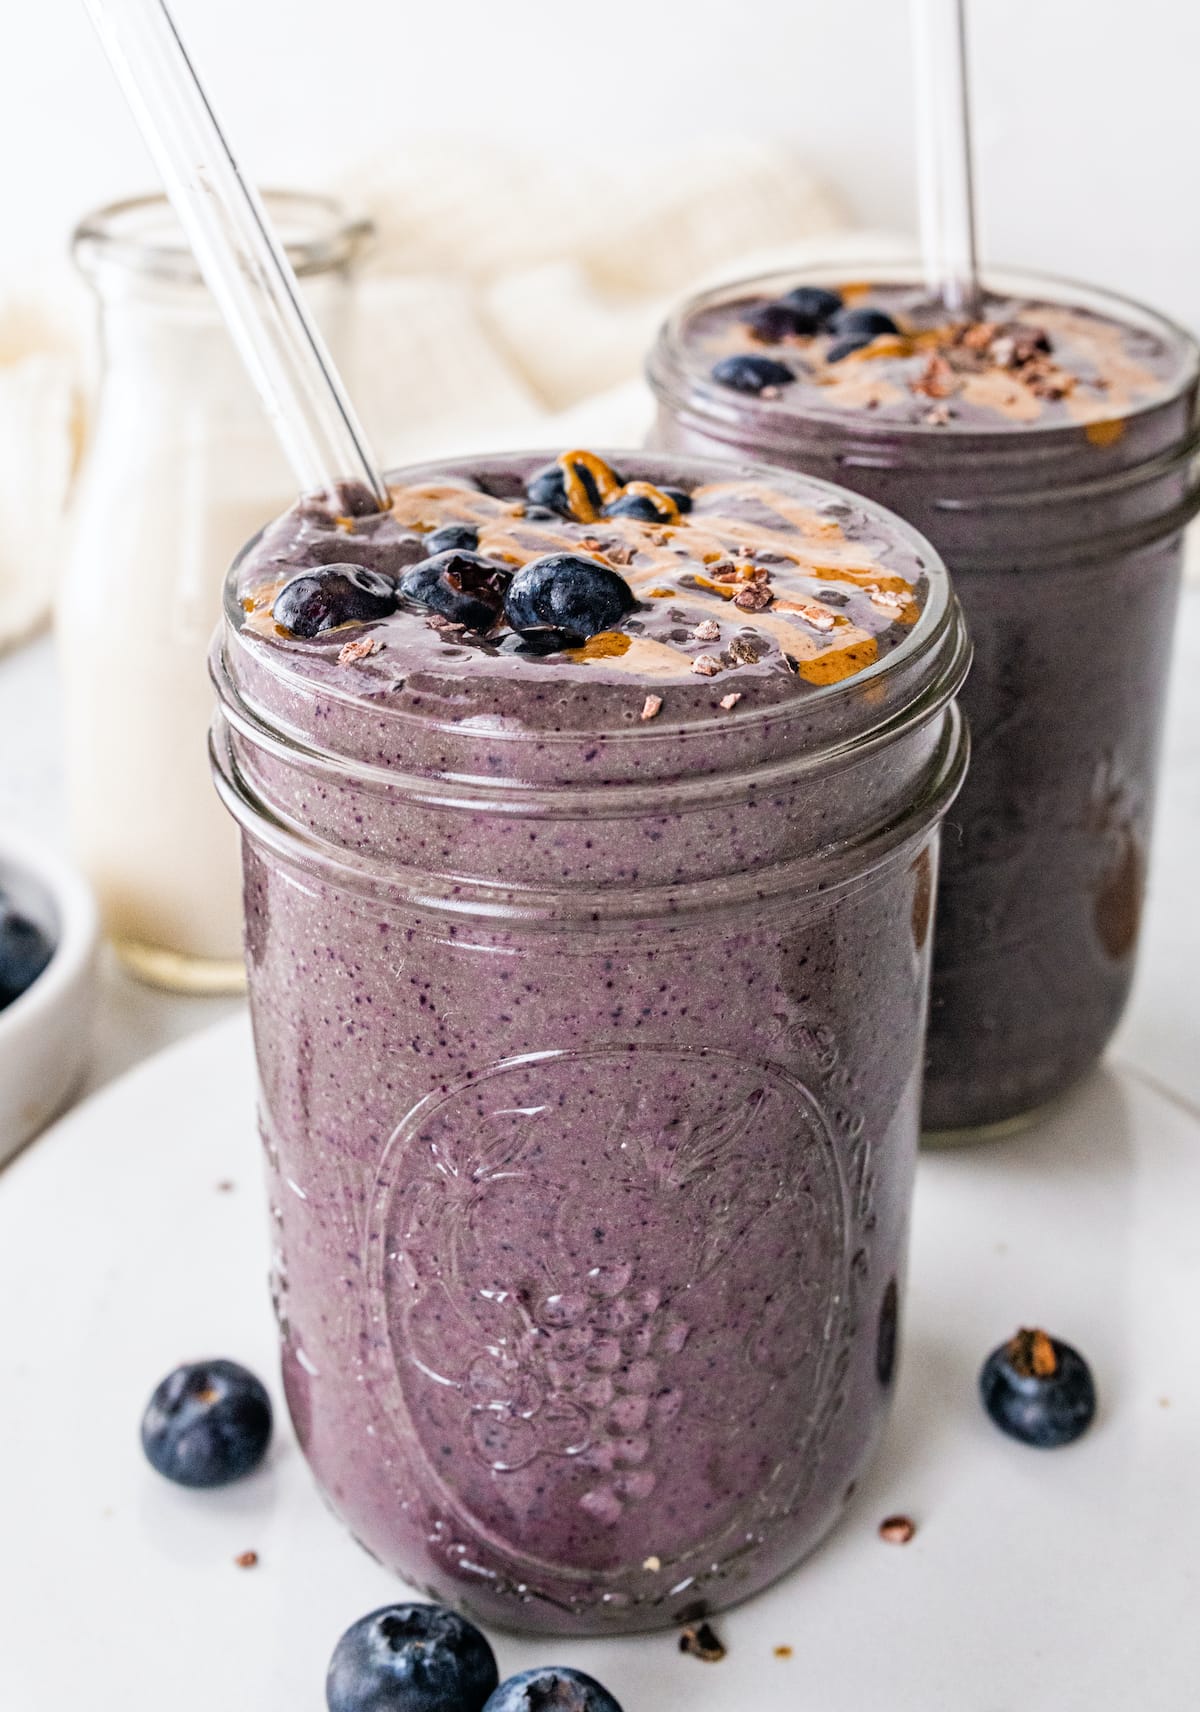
<point>1087,112</point>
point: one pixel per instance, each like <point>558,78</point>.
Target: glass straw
<point>237,249</point>
<point>945,179</point>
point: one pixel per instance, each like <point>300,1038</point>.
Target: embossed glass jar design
<point>1065,544</point>
<point>590,1069</point>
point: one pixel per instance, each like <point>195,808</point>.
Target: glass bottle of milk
<point>180,470</point>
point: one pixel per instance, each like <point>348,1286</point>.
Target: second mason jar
<point>1048,450</point>
<point>588,981</point>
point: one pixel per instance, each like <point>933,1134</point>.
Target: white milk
<point>181,470</point>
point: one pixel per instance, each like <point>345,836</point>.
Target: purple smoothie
<point>588,992</point>
<point>1047,452</point>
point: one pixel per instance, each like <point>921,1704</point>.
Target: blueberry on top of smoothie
<point>577,485</point>
<point>857,323</point>
<point>566,592</point>
<point>334,594</point>
<point>24,952</point>
<point>641,500</point>
<point>551,1688</point>
<point>463,587</point>
<point>1038,1390</point>
<point>411,1658</point>
<point>756,375</point>
<point>814,302</point>
<point>208,1423</point>
<point>458,536</point>
<point>771,323</point>
<point>847,347</point>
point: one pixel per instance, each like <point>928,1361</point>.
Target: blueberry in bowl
<point>411,1658</point>
<point>25,950</point>
<point>49,935</point>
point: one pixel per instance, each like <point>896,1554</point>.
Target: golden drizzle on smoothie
<point>735,577</point>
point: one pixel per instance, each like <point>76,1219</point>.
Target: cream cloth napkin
<point>41,433</point>
<point>509,302</point>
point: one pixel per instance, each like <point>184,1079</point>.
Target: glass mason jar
<point>590,1103</point>
<point>1065,545</point>
<point>181,466</point>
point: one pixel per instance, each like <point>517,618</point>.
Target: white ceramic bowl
<point>45,1034</point>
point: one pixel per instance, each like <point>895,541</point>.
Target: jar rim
<point>937,637</point>
<point>142,235</point>
<point>691,393</point>
<point>827,871</point>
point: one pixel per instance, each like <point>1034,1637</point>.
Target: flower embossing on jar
<point>611,1283</point>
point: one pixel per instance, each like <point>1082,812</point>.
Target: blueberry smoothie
<point>1047,451</point>
<point>590,811</point>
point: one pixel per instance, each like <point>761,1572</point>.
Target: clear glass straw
<point>237,250</point>
<point>945,176</point>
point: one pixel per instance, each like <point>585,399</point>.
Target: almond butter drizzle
<point>824,645</point>
<point>579,501</point>
<point>1080,341</point>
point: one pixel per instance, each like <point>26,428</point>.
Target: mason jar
<point>180,467</point>
<point>589,1052</point>
<point>1064,541</point>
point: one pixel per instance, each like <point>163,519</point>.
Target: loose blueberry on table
<point>1039,1390</point>
<point>551,1688</point>
<point>411,1658</point>
<point>754,375</point>
<point>207,1424</point>
<point>24,952</point>
<point>335,594</point>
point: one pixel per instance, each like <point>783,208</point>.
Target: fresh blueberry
<point>536,643</point>
<point>464,587</point>
<point>1038,1390</point>
<point>772,322</point>
<point>641,506</point>
<point>411,1658</point>
<point>847,347</point>
<point>335,594</point>
<point>683,501</point>
<point>548,487</point>
<point>551,1688</point>
<point>860,323</point>
<point>564,591</point>
<point>207,1424</point>
<point>751,374</point>
<point>455,537</point>
<point>815,303</point>
<point>24,953</point>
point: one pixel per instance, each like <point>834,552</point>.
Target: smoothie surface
<point>1023,364</point>
<point>741,592</point>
